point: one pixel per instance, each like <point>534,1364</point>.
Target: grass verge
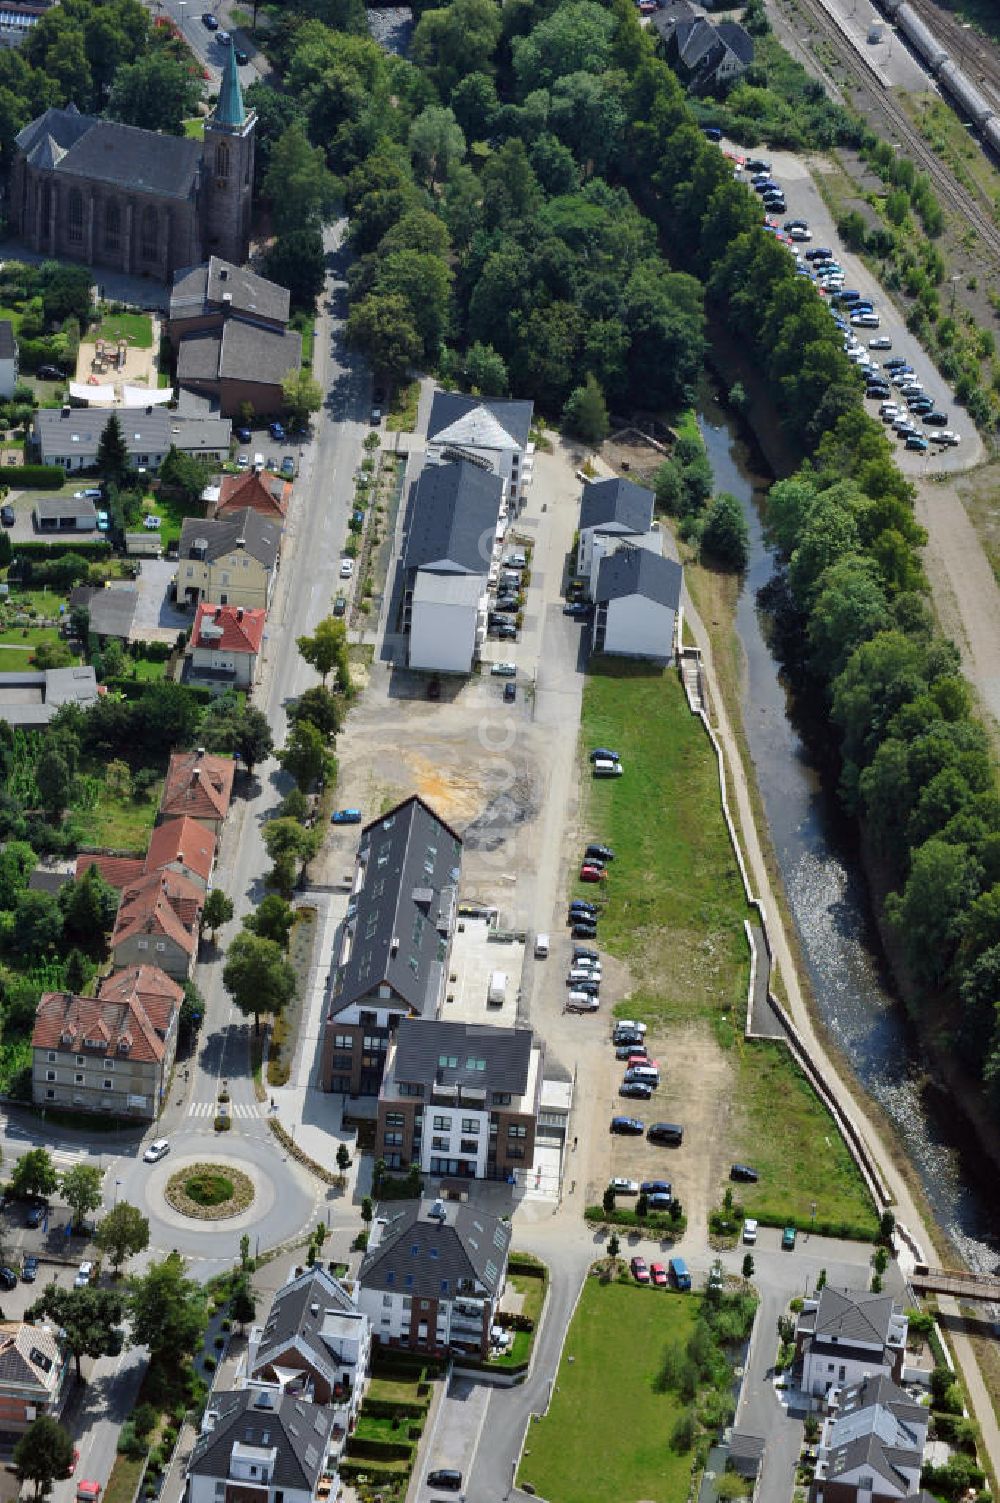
<point>402,414</point>
<point>605,1435</point>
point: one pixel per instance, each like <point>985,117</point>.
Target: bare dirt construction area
<point>962,518</point>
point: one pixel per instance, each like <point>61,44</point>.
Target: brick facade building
<point>142,203</point>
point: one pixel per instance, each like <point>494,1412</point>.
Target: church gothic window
<point>222,160</point>
<point>74,217</point>
<point>112,226</point>
<point>148,234</point>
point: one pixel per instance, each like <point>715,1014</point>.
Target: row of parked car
<point>584,975</point>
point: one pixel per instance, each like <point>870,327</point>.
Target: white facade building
<point>638,605</point>
<point>8,358</point>
<point>259,1443</point>
<point>454,528</point>
<point>844,1336</point>
<point>492,432</point>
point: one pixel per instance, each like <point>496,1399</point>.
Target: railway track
<point>951,194</point>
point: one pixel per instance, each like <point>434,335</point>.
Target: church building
<point>93,190</point>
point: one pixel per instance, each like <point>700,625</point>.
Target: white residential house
<point>638,605</point>
<point>225,646</point>
<point>613,512</point>
<point>8,358</point>
<point>871,1448</point>
<point>844,1336</point>
<point>455,525</point>
<point>433,1276</point>
<point>491,432</point>
<point>262,1445</point>
<point>69,436</point>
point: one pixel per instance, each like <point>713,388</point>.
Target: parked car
<point>157,1150</point>
<point>580,610</point>
<point>35,1216</point>
<point>630,1127</point>
<point>936,419</point>
<point>622,1186</point>
<point>8,1278</point>
<point>602,754</point>
<point>242,58</point>
<point>593,874</point>
<point>92,493</point>
<point>29,1269</point>
<point>503,670</point>
<point>288,466</point>
<point>509,693</point>
<point>340,605</point>
<point>446,1477</point>
<point>744,1173</point>
<point>223,38</point>
<point>209,21</point>
<point>88,1491</point>
<point>580,905</point>
<point>750,1231</point>
<point>50,373</point>
<point>917,443</point>
<point>103,521</point>
<point>84,1275</point>
<point>504,631</point>
<point>580,953</point>
<point>375,417</point>
<point>629,1050</point>
<point>244,435</point>
<point>880,342</point>
<point>788,1239</point>
<point>7,516</point>
<point>639,1270</point>
<point>658,1275</point>
<point>345,817</point>
<point>659,1202</point>
<point>656,1187</point>
<point>277,431</point>
<point>584,930</point>
<point>577,1001</point>
<point>637,1089</point>
<point>600,852</point>
<point>346,568</point>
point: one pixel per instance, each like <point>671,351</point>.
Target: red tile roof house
<point>225,645</point>
<point>199,786</point>
<point>111,1053</point>
<point>178,845</point>
<point>158,922</point>
<point>268,496</point>
<point>34,1369</point>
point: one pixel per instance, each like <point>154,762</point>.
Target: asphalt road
<point>186,16</point>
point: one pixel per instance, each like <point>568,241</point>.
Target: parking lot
<point>804,201</point>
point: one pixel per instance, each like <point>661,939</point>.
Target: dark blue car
<point>277,430</point>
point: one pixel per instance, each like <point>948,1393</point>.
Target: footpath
<point>905,1207</point>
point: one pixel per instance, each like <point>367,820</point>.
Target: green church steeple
<point>230,110</point>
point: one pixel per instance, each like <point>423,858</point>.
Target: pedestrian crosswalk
<point>237,1109</point>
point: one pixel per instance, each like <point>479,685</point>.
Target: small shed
<point>746,1453</point>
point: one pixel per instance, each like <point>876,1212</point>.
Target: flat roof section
<point>474,958</point>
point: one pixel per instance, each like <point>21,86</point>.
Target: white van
<point>644,1073</point>
<point>541,946</point>
<point>603,768</point>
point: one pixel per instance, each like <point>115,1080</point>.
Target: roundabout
<point>209,1191</point>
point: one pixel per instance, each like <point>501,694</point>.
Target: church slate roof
<point>229,110</point>
<point>105,151</point>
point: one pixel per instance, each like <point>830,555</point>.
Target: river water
<point>826,894</point>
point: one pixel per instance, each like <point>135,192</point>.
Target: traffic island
<point>209,1192</point>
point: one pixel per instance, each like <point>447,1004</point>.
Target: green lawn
<point>606,1432</point>
<point>675,906</point>
<point>105,820</point>
<point>172,513</point>
<point>780,1126</point>
<point>194,128</point>
<point>28,637</point>
<point>147,672</point>
<point>402,415</point>
<point>137,328</point>
<point>396,1391</point>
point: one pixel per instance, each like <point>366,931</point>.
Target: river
<point>826,894</point>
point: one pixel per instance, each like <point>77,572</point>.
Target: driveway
<point>454,1437</point>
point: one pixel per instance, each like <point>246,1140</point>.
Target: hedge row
<point>97,548</point>
<point>394,1408</point>
<point>848,1231</point>
<point>31,477</point>
<point>379,1450</point>
<point>655,1221</point>
<point>524,1263</point>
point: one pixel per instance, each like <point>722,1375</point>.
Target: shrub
<point>35,477</point>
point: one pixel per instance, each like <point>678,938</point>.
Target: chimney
<point>196,775</point>
<point>200,751</point>
<point>241,542</point>
<point>239,613</point>
<point>149,410</point>
<point>394,947</point>
<point>66,409</point>
<point>223,273</point>
<point>218,613</point>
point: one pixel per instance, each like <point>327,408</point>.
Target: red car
<point>639,1270</point>
<point>593,874</point>
<point>658,1274</point>
<point>636,1060</point>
